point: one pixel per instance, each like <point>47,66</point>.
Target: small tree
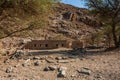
<point>96,38</point>
<point>109,12</point>
<point>107,32</point>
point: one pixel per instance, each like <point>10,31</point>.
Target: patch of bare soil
<point>62,65</point>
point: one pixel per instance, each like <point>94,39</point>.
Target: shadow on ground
<point>90,52</point>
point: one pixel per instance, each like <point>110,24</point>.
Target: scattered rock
<point>73,76</point>
<point>85,71</point>
<point>42,58</point>
<point>64,58</point>
<point>9,70</point>
<point>12,75</point>
<point>17,65</point>
<point>98,76</point>
<point>63,61</point>
<point>46,69</point>
<point>72,60</point>
<point>6,61</point>
<point>26,41</point>
<point>17,55</point>
<point>26,63</point>
<point>36,58</point>
<point>62,68</point>
<point>37,63</point>
<point>59,58</point>
<point>43,61</point>
<point>4,52</point>
<point>62,73</point>
<point>50,57</point>
<point>52,68</point>
<point>50,61</point>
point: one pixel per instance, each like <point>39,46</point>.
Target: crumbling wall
<point>52,44</point>
<point>45,44</point>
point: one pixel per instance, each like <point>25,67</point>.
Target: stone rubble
<point>26,63</point>
<point>37,63</point>
<point>63,61</point>
<point>46,69</point>
<point>9,70</point>
<point>36,58</point>
<point>62,72</point>
<point>52,68</point>
<point>85,71</point>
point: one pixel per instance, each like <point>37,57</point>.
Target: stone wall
<point>45,44</point>
<point>52,44</point>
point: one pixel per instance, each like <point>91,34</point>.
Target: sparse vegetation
<point>96,38</point>
<point>26,6</point>
<point>24,29</point>
<point>59,37</point>
<point>24,14</point>
<point>109,13</point>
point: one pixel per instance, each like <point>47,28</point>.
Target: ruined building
<point>52,44</point>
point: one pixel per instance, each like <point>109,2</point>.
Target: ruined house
<point>52,44</point>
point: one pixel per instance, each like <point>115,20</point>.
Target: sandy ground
<point>103,66</point>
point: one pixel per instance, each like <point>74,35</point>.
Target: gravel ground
<point>102,66</point>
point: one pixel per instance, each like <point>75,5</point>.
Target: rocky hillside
<point>72,22</point>
<point>65,22</point>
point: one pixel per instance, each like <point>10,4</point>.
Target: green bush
<point>27,6</point>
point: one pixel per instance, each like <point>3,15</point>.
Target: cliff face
<point>72,22</point>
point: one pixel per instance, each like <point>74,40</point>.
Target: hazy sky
<point>77,3</point>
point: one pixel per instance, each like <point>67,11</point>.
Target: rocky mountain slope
<point>65,22</point>
<point>73,22</point>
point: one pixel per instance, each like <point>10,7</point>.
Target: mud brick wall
<point>45,44</point>
<point>52,44</point>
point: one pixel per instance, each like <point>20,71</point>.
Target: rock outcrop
<point>73,22</point>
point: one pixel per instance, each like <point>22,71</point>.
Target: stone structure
<point>52,44</point>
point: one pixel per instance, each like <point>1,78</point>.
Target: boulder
<point>50,61</point>
<point>26,63</point>
<point>36,58</point>
<point>62,73</point>
<point>58,58</point>
<point>63,61</point>
<point>37,63</point>
<point>17,54</point>
<point>62,68</point>
<point>85,71</point>
<point>52,68</point>
<point>46,69</point>
<point>9,70</point>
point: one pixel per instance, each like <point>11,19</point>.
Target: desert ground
<point>61,64</point>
